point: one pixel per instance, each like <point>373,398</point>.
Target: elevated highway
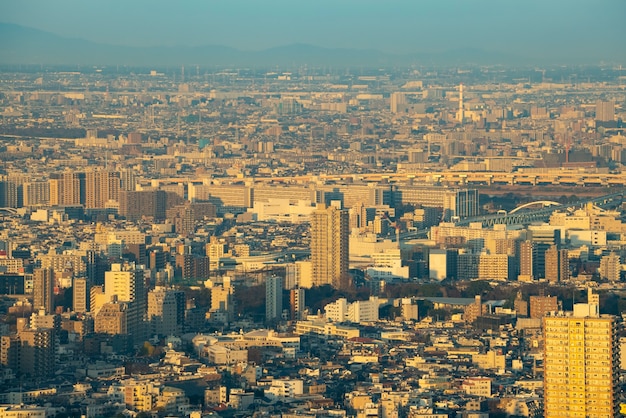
<point>560,178</point>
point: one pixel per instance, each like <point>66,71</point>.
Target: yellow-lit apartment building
<point>581,364</point>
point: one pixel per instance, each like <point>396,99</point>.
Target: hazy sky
<point>536,28</point>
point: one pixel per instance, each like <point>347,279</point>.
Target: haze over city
<point>547,32</point>
<point>312,209</point>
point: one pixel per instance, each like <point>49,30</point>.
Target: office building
<point>454,202</point>
<point>330,246</point>
<point>581,364</point>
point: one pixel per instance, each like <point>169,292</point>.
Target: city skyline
<point>355,209</point>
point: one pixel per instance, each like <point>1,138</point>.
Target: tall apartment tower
<point>397,102</point>
<point>581,364</point>
<point>67,188</point>
<point>100,187</point>
<point>329,246</point>
<point>605,111</point>
<point>273,298</point>
<point>128,180</point>
<point>296,303</point>
<point>43,289</point>
<point>36,193</point>
<point>149,203</point>
<point>81,295</point>
<point>527,260</point>
<point>557,264</point>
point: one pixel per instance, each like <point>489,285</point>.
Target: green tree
<point>147,349</point>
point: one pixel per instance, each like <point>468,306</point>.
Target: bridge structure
<point>524,215</point>
<point>9,210</point>
<point>543,203</point>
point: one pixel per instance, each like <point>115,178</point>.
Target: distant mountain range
<point>22,45</point>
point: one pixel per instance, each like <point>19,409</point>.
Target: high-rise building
<point>134,138</point>
<point>9,194</point>
<point>166,311</point>
<point>556,264</point>
<point>442,264</point>
<point>581,364</point>
<point>128,180</point>
<point>149,203</point>
<point>452,201</point>
<point>605,111</point>
<point>43,289</point>
<point>329,246</point>
<point>36,193</point>
<point>81,293</point>
<point>125,283</point>
<point>273,298</point>
<point>610,267</point>
<point>397,102</point>
<point>36,352</point>
<point>296,303</point>
<point>67,188</point>
<point>527,260</point>
<point>101,187</point>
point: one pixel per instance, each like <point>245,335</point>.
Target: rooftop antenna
<point>567,147</point>
<point>461,111</point>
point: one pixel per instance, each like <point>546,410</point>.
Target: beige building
<point>581,364</point>
<point>329,246</point>
<point>112,319</point>
<point>125,283</point>
<point>166,311</point>
<point>81,296</point>
<point>100,188</point>
<point>43,289</point>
